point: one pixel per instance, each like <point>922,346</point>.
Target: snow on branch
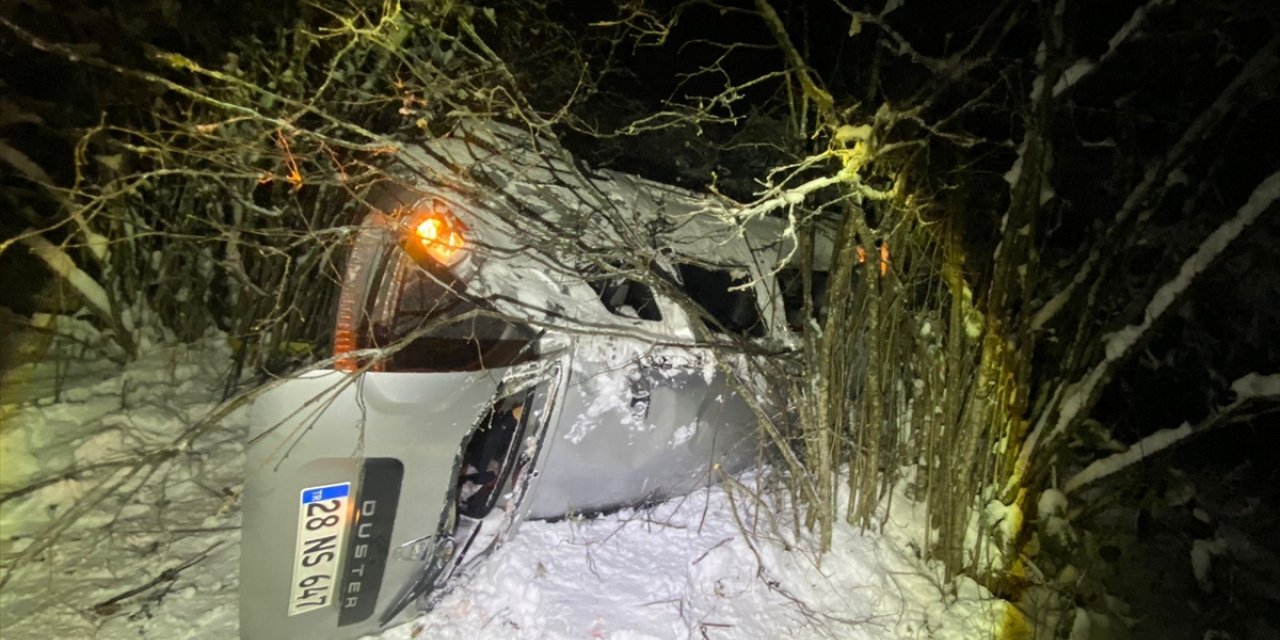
<point>1085,67</point>
<point>1263,196</point>
<point>1249,390</point>
<point>785,197</point>
<point>93,293</point>
<point>1080,395</point>
<point>1140,450</point>
<point>1263,65</point>
<point>1256,386</point>
<point>63,266</point>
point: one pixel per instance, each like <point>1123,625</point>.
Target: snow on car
<point>516,338</point>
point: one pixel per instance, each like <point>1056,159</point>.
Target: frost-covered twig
<point>168,575</point>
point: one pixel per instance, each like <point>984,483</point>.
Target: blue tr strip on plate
<point>330,492</point>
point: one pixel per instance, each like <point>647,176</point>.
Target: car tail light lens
<point>344,339</point>
<point>358,279</point>
<point>438,233</point>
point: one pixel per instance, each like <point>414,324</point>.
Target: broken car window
<point>627,298</point>
<point>732,311</point>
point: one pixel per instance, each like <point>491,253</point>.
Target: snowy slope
<point>132,531</point>
<point>120,502</point>
<point>685,569</point>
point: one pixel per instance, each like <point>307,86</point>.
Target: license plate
<point>322,524</point>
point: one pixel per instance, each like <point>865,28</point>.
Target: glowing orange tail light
<point>884,257</point>
<point>439,234</point>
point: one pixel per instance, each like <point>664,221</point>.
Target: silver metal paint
<point>638,454</point>
<point>670,424</point>
<point>313,430</point>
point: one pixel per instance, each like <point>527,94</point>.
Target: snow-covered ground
<point>114,522</point>
<point>119,520</point>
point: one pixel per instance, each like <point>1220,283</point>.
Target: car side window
<point>734,311</point>
<point>627,298</point>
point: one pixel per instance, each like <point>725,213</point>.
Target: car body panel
<point>344,421</point>
<point>649,429</point>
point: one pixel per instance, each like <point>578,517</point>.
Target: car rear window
<point>430,323</point>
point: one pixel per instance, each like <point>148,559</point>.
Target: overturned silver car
<point>503,352</point>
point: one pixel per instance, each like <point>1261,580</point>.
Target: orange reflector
<point>884,257</point>
<point>440,234</point>
<point>344,342</point>
<point>345,326</point>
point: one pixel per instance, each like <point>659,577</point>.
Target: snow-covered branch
<point>1081,395</point>
<point>94,295</point>
<point>1085,67</point>
<point>786,197</point>
<point>1264,64</point>
<point>31,170</point>
<point>1250,391</point>
<point>1259,201</point>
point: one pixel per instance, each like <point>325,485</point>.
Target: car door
<point>642,422</point>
